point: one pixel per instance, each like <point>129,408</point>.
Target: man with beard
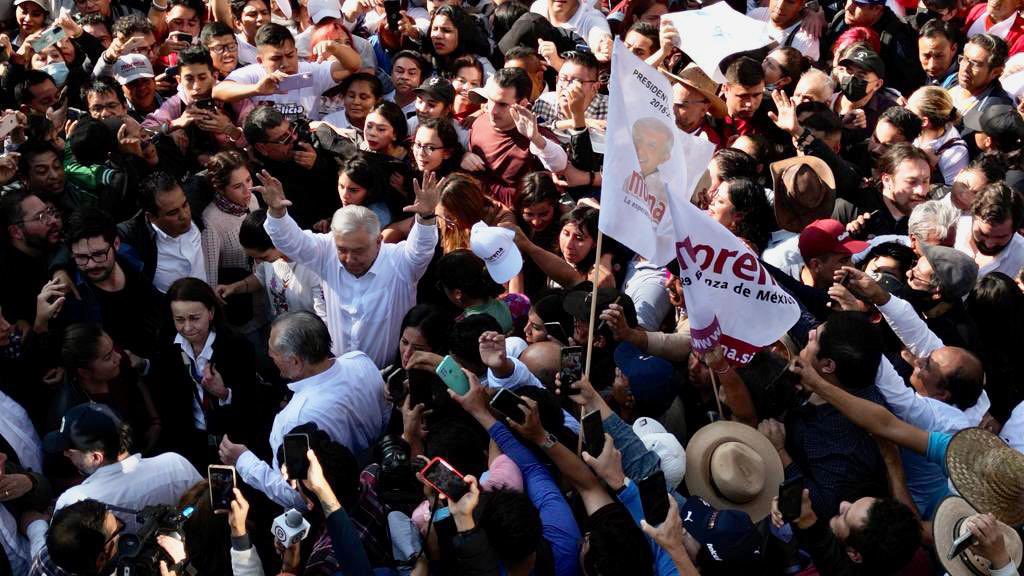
<point>991,239</point>
<point>904,173</point>
<point>33,233</point>
<point>42,170</point>
<point>113,291</point>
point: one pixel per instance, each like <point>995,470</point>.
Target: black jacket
<point>899,50</point>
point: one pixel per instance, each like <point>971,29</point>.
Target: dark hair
<point>820,117</point>
<point>80,345</point>
<point>467,62</point>
<point>432,323</point>
<point>194,5</point>
<point>853,343</point>
<point>903,256</point>
<point>465,339</point>
<point>903,120</point>
<point>733,163</point>
<point>647,31</point>
<point>992,164</point>
<point>938,27</point>
<point>996,202</point>
<point>195,55</point>
<point>271,34</point>
<point>10,206</point>
<point>33,148</point>
<point>393,114</point>
<point>535,188</point>
<point>156,183</point>
<point>449,140</point>
<point>889,539</point>
<point>584,217</point>
<point>505,15</point>
<point>31,78</point>
<point>101,85</point>
<point>190,289</point>
<point>465,271</point>
<point>92,141</point>
<point>90,222</point>
<point>204,534</point>
<point>425,68</point>
<point>511,522</point>
<point>996,47</point>
<point>515,78</point>
<point>471,37</point>
<point>460,443</point>
<point>214,29</point>
<point>744,71</point>
<point>260,120</point>
<point>75,539</point>
<point>549,306</point>
<point>997,307</point>
<point>793,64</point>
<point>898,154</point>
<point>757,221</point>
<point>220,167</point>
<point>376,88</point>
<point>238,6</point>
<point>359,169</point>
<point>584,59</point>
<point>520,53</point>
<point>251,234</point>
<point>131,25</point>
<point>617,545</point>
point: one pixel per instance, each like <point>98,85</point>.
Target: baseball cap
<point>724,535</point>
<point>131,67</point>
<point>828,237</point>
<point>496,246</point>
<point>320,9</point>
<point>45,6</point>
<point>88,426</point>
<point>668,448</point>
<point>651,379</point>
<point>1003,124</point>
<point>955,271</point>
<point>437,87</point>
<point>863,57</point>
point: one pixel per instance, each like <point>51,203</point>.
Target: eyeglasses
<point>568,80</point>
<point>972,64</point>
<point>428,148</point>
<point>224,48</point>
<point>287,138</point>
<point>48,215</point>
<point>689,103</point>
<point>97,257</point>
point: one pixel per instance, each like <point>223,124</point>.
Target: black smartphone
<point>444,478</point>
<point>571,369</point>
<point>421,387</point>
<point>222,487</point>
<point>507,403</point>
<point>555,331</point>
<point>183,37</point>
<point>172,71</point>
<point>654,498</point>
<point>295,448</point>
<point>391,12</point>
<point>206,103</point>
<point>593,433</point>
<point>791,496</point>
<point>75,114</point>
<point>396,386</point>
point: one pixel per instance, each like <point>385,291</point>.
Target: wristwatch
<point>549,442</point>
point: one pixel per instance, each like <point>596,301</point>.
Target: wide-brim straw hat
<point>693,77</point>
<point>949,522</point>
<point>988,474</point>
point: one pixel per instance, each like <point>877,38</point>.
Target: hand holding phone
<point>593,433</point>
<point>295,448</point>
<point>509,405</point>
<point>222,487</point>
<point>654,498</point>
<point>443,477</point>
<point>452,375</point>
<point>791,497</point>
<point>571,369</point>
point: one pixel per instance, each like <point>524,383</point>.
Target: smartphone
<point>48,38</point>
<point>222,486</point>
<point>571,369</point>
<point>172,71</point>
<point>507,404</point>
<point>593,433</point>
<point>8,124</point>
<point>452,375</point>
<point>206,103</point>
<point>396,386</point>
<point>443,477</point>
<point>391,12</point>
<point>791,496</point>
<point>654,498</point>
<point>74,114</point>
<point>555,332</point>
<point>182,37</point>
<point>295,448</point>
<point>421,389</point>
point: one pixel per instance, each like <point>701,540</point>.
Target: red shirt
<point>506,155</point>
<point>1014,37</point>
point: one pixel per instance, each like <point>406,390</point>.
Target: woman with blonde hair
<point>463,204</point>
<point>939,138</point>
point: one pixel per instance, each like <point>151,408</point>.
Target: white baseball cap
<point>666,446</point>
<point>320,9</point>
<point>131,67</point>
<point>496,246</point>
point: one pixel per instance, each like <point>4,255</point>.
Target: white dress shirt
<point>363,313</point>
<point>17,430</point>
<point>179,257</point>
<point>135,483</point>
<point>346,401</point>
<point>923,412</point>
<point>1009,261</point>
<point>796,36</point>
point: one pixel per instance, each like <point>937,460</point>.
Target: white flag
<point>711,33</point>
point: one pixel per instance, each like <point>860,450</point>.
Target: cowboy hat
<point>695,78</point>
<point>733,466</point>
<point>794,211</point>
<point>987,473</point>
<point>949,523</point>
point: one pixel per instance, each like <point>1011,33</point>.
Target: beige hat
<point>733,466</point>
<point>988,474</point>
<point>795,209</point>
<point>949,522</point>
<point>693,77</point>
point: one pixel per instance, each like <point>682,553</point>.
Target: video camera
<point>138,553</point>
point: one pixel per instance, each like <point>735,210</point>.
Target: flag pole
<point>714,390</point>
<point>593,302</point>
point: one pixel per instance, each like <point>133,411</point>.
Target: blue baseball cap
<point>650,378</point>
<point>724,535</point>
<point>89,426</point>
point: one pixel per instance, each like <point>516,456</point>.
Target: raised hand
<point>428,195</point>
<point>272,192</point>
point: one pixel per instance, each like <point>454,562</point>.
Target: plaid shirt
<point>546,109</point>
<point>43,566</point>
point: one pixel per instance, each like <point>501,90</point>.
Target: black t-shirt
<point>128,316</point>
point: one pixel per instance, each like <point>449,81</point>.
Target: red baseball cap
<point>828,237</point>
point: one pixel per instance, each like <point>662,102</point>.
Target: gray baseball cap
<point>955,271</point>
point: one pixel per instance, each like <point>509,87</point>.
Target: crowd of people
<point>317,287</point>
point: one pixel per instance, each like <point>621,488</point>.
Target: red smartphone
<point>443,477</point>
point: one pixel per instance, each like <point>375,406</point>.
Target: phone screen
<point>295,448</point>
<point>593,433</point>
<point>791,495</point>
<point>572,366</point>
<point>420,388</point>
<point>442,476</point>
<point>222,485</point>
<point>555,331</point>
<point>508,404</point>
<point>654,498</point>
<point>396,387</point>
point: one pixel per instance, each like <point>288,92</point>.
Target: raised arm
<point>300,246</point>
<point>904,321</point>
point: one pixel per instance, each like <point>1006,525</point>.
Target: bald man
<point>814,86</point>
<point>543,359</point>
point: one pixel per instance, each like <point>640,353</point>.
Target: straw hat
<point>949,522</point>
<point>695,78</point>
<point>733,466</point>
<point>988,474</point>
<point>795,209</point>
